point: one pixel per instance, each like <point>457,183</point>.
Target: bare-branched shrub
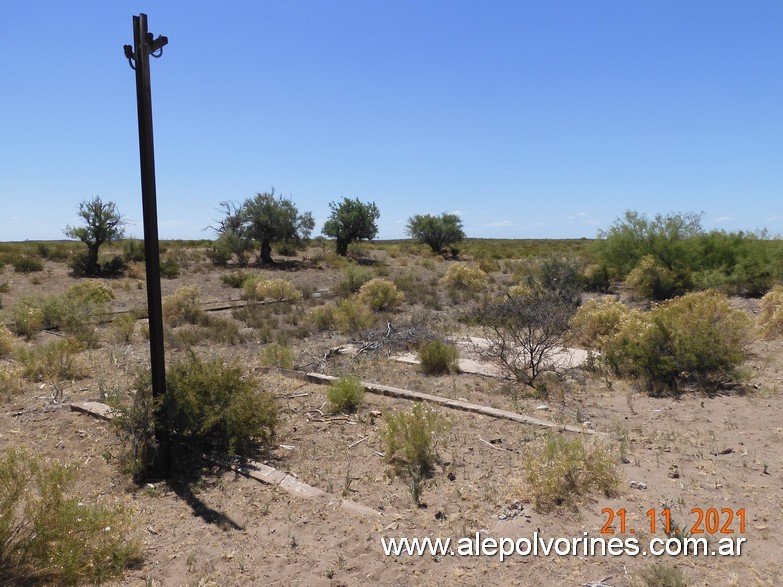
<point>278,290</point>
<point>465,276</point>
<point>439,358</point>
<point>49,536</point>
<point>345,394</point>
<point>183,306</point>
<point>410,439</point>
<point>525,335</point>
<point>771,317</point>
<point>564,471</point>
<point>380,294</point>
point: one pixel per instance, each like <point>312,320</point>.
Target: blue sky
<point>529,119</point>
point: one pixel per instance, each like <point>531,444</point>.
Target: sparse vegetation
<point>49,536</point>
<point>464,276</point>
<point>410,439</point>
<point>380,295</point>
<point>53,361</point>
<point>564,471</point>
<point>771,317</point>
<point>183,306</point>
<point>277,355</point>
<point>278,290</point>
<point>439,358</point>
<point>345,394</point>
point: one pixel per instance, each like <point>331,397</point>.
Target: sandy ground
<point>697,452</point>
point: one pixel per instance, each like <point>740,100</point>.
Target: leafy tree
<point>351,221</point>
<point>436,231</point>
<point>635,236</point>
<point>268,219</point>
<point>104,224</point>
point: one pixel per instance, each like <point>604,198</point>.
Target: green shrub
<point>323,316</point>
<point>410,440</point>
<point>565,471</point>
<point>277,355</point>
<point>6,341</point>
<point>48,537</point>
<point>133,250</point>
<point>209,408</point>
<point>236,279</point>
<point>123,326</point>
<point>90,291</point>
<point>10,382</point>
<point>652,281</point>
<point>380,294</point>
<point>183,306</point>
<point>438,358</point>
<point>596,320</point>
<point>345,394</point>
<point>697,338</point>
<point>169,268</point>
<point>354,277</point>
<point>771,317</point>
<point>55,360</point>
<point>278,290</point>
<point>249,287</point>
<point>24,264</point>
<point>352,316</point>
<point>27,318</point>
<point>286,249</point>
<point>465,276</point>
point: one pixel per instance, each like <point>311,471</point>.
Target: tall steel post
<point>158,463</point>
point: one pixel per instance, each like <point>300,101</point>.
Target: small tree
<point>436,231</point>
<point>268,218</point>
<point>351,221</point>
<point>233,234</point>
<point>104,224</point>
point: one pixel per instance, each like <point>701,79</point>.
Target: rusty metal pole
<point>158,463</point>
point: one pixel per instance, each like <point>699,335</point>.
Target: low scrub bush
<point>10,382</point>
<point>410,439</point>
<point>380,295</point>
<point>597,320</point>
<point>209,407</point>
<point>133,250</point>
<point>278,290</point>
<point>659,575</point>
<point>697,338</point>
<point>465,276</point>
<point>352,316</point>
<point>771,317</point>
<point>56,360</point>
<point>354,277</point>
<point>277,355</point>
<point>652,281</point>
<point>439,358</point>
<point>323,316</point>
<point>25,264</point>
<point>169,268</point>
<point>49,536</point>
<point>27,318</point>
<point>123,326</point>
<point>6,341</point>
<point>345,394</point>
<point>235,279</point>
<point>92,291</point>
<point>564,471</point>
<point>183,306</point>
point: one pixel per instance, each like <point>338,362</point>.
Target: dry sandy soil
<point>698,451</point>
